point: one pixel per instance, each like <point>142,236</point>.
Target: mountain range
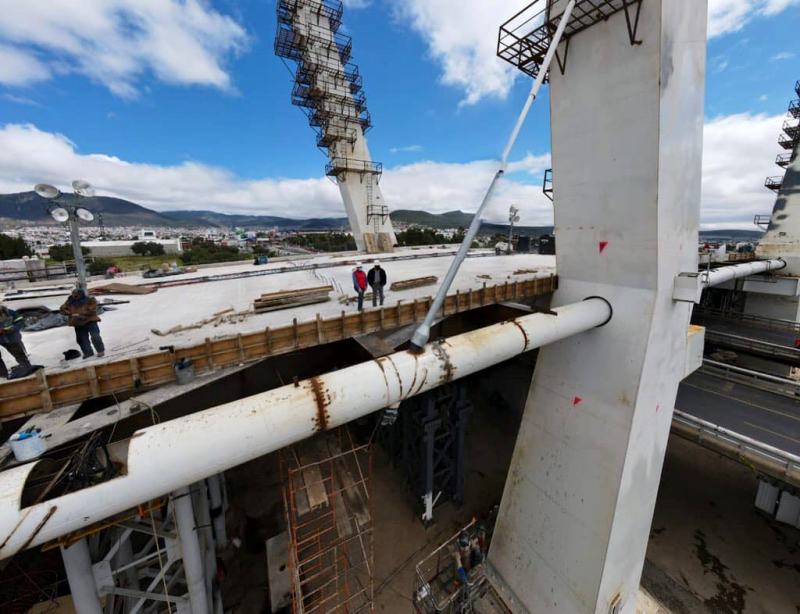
<point>30,208</point>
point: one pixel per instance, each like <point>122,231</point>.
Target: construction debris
<point>226,316</point>
<point>119,288</point>
<point>292,298</point>
<point>525,271</point>
<point>416,282</point>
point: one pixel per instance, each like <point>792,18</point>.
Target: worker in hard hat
<point>377,280</point>
<point>81,309</point>
<point>11,324</point>
<point>360,284</point>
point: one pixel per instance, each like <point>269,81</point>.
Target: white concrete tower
<point>627,125</point>
<point>329,89</point>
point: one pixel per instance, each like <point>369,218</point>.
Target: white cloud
<point>725,16</point>
<point>20,68</point>
<point>462,36</point>
<point>118,42</point>
<point>406,149</point>
<point>783,55</point>
<point>739,153</point>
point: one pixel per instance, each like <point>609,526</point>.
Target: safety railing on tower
<point>338,166</point>
<point>774,183</point>
<point>524,39</point>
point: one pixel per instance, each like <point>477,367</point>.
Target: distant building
<point>107,249</point>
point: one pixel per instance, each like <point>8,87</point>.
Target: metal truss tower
<point>329,90</point>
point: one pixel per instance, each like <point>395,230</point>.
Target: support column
<point>217,500</point>
<point>627,123</point>
<point>78,565</point>
<point>190,550</point>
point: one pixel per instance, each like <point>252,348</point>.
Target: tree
<point>204,252</point>
<point>147,248</point>
<point>64,252</point>
<point>13,247</point>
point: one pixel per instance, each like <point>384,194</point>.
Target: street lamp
<point>72,215</point>
<point>512,219</point>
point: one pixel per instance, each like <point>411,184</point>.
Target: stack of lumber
<point>287,299</point>
<point>119,288</point>
<point>226,316</point>
<point>416,282</point>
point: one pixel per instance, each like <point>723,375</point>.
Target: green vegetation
<point>420,236</point>
<point>60,253</point>
<point>324,241</point>
<point>98,266</point>
<point>147,248</point>
<point>204,252</point>
<point>13,247</point>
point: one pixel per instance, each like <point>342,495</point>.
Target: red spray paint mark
<point>603,245</point>
<point>576,400</point>
<point>658,407</point>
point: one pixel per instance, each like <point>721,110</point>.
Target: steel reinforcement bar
<point>47,390</point>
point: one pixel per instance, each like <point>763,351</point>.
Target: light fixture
<point>59,214</point>
<point>83,188</point>
<point>84,214</point>
<point>46,191</point>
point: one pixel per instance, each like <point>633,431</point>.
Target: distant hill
<point>212,218</point>
<point>32,208</point>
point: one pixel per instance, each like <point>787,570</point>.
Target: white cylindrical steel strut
<point>718,276</point>
<point>78,565</point>
<point>190,550</point>
<point>166,456</point>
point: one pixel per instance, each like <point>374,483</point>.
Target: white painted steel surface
<point>720,275</point>
<point>188,532</point>
<point>78,565</point>
<point>783,234</point>
<point>231,434</point>
<point>627,124</point>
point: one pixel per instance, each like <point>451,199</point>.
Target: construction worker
<point>11,324</point>
<point>81,309</point>
<point>377,280</point>
<point>360,284</point>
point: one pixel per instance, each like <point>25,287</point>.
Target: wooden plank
<point>312,476</point>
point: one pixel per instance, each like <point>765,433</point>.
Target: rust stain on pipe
<point>522,330</point>
<point>322,402</point>
<point>14,530</point>
<point>444,358</point>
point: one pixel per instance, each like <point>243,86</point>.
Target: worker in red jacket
<point>360,284</point>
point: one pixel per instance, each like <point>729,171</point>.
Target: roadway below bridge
<point>770,418</point>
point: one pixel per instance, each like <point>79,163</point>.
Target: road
<point>766,417</point>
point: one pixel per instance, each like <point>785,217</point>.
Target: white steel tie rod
<point>422,334</point>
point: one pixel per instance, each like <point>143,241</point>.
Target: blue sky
<point>181,104</point>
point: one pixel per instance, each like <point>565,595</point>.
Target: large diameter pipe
<point>423,331</point>
<point>720,275</point>
<point>78,565</point>
<point>167,456</point>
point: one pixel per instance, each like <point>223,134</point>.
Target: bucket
<point>184,371</point>
<point>27,444</point>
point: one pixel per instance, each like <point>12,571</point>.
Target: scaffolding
<point>788,140</point>
<point>326,490</point>
<point>524,39</point>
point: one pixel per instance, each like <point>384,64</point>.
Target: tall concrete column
<point>190,551</point>
<point>78,565</point>
<point>627,123</point>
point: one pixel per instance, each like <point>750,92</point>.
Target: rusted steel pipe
<point>164,457</point>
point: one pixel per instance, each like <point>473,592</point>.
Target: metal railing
<point>748,318</point>
<point>755,346</point>
<point>753,379</point>
<point>762,457</point>
<point>338,166</point>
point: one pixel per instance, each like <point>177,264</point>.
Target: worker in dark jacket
<point>11,324</point>
<point>377,280</point>
<point>360,284</point>
<point>81,310</point>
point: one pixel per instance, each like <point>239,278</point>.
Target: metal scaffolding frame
<point>326,491</point>
<point>524,39</point>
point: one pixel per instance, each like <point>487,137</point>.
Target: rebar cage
<point>326,490</point>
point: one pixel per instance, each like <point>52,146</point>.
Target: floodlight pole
<point>77,252</point>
